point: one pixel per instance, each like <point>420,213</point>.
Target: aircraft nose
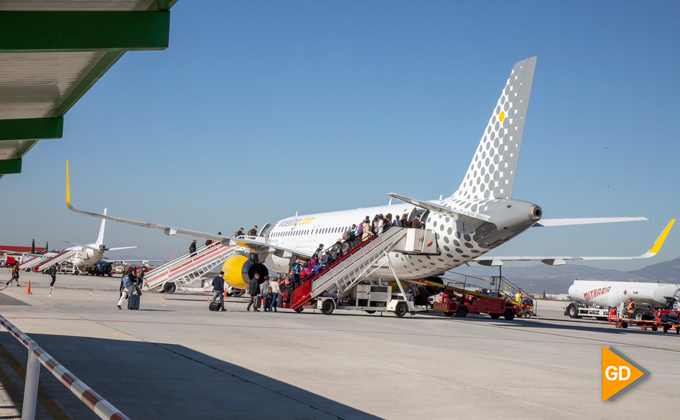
<point>535,213</point>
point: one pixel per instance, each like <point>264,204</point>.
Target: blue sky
<point>261,109</point>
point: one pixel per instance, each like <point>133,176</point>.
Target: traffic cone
<point>28,289</point>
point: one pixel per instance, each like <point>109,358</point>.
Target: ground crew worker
<point>631,308</point>
<point>53,273</point>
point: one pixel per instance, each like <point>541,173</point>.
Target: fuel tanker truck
<point>594,298</point>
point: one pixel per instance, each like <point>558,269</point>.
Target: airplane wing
<point>254,244</point>
<point>561,260</point>
<point>585,221</point>
<point>458,214</point>
<point>122,247</point>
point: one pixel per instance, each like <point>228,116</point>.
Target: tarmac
<point>173,359</point>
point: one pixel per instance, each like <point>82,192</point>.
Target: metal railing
<point>38,356</point>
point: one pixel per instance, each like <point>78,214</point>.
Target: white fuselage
<point>613,293</point>
<point>86,257</point>
<point>457,242</point>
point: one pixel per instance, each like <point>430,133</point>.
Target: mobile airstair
<point>61,257</point>
<point>188,268</point>
<point>338,286</point>
<point>28,264</point>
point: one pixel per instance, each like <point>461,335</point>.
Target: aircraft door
<point>264,229</point>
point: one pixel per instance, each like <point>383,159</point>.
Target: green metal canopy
<point>53,51</point>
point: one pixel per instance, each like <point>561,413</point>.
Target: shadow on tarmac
<point>152,380</point>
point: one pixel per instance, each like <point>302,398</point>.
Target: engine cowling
<point>238,270</point>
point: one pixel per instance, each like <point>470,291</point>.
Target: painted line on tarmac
<point>44,398</point>
<point>137,322</point>
<point>600,341</point>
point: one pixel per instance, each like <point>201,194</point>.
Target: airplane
<point>478,217</point>
<point>80,256</point>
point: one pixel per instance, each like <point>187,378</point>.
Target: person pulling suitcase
<point>218,291</point>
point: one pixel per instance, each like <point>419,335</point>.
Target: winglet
<point>659,241</point>
<point>68,187</point>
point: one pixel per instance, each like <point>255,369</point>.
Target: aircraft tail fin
<point>100,238</point>
<point>494,166</point>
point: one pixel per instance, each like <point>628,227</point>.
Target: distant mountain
<point>541,277</point>
<point>665,272</point>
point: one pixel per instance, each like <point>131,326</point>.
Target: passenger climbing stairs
<point>348,270</point>
<point>188,268</point>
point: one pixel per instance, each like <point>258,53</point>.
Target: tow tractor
<point>459,302</point>
<point>664,319</point>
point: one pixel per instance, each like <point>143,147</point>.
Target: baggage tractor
<point>215,306</point>
<point>133,302</point>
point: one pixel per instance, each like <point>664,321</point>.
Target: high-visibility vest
<point>631,307</point>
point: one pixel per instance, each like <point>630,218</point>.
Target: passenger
<point>192,248</point>
<point>238,233</point>
<point>254,290</point>
<point>366,231</point>
<point>53,273</point>
<point>360,228</point>
<point>327,260</point>
<point>404,221</point>
<point>345,247</point>
<point>385,223</point>
<point>274,286</point>
<point>415,223</point>
<point>253,231</point>
<point>15,274</point>
<point>218,289</point>
<point>290,282</point>
<point>140,277</point>
<point>375,225</point>
<point>396,222</point>
<point>318,254</point>
<point>336,251</point>
<point>264,290</point>
<point>310,267</point>
<point>126,289</point>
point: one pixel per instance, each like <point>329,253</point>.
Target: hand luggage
<point>215,306</point>
<point>258,302</point>
<point>133,302</point>
<point>267,301</point>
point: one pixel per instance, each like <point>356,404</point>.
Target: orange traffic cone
<point>28,289</point>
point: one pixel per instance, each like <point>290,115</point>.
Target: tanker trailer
<point>594,298</point>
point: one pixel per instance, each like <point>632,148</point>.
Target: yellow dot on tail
<point>502,116</point>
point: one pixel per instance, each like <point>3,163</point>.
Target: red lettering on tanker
<point>595,293</point>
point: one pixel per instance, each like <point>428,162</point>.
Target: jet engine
<point>238,270</point>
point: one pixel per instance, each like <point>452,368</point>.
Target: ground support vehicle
<point>370,298</point>
<point>664,319</point>
<point>459,302</point>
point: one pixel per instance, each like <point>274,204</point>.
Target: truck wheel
<point>370,312</point>
<point>461,312</point>
<point>509,314</point>
<point>300,309</point>
<point>327,306</point>
<point>495,316</point>
<point>639,315</point>
<point>401,309</point>
<point>624,325</point>
<point>643,327</point>
<point>169,287</point>
<point>665,329</point>
<point>572,310</point>
<point>448,313</point>
<point>655,328</point>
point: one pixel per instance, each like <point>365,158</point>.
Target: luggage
<point>258,302</point>
<point>133,302</point>
<point>267,302</point>
<point>215,306</point>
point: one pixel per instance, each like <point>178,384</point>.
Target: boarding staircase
<point>28,264</point>
<point>188,268</point>
<point>349,270</point>
<point>61,257</point>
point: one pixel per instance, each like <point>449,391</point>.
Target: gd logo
<point>619,373</point>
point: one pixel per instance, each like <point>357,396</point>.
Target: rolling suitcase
<point>215,306</point>
<point>133,302</point>
<point>267,302</point>
<point>258,302</point>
